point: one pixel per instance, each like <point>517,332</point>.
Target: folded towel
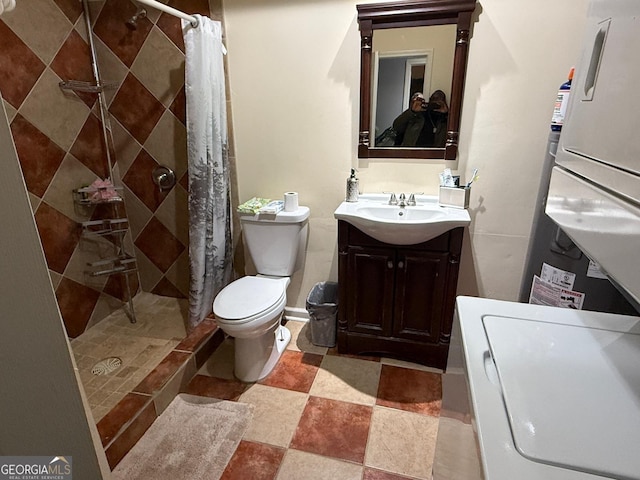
<point>253,206</point>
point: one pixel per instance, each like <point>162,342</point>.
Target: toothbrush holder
<point>456,197</point>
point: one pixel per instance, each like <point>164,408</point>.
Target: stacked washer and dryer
<point>545,393</point>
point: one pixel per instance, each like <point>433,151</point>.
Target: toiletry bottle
<point>352,187</point>
<point>560,107</point>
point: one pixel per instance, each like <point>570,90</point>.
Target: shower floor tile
<point>141,347</point>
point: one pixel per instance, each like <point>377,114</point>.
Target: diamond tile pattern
<point>89,147</point>
<point>140,181</point>
<point>112,29</point>
<point>19,67</point>
<point>157,243</point>
<point>76,304</point>
<point>73,62</point>
<point>136,108</point>
<point>59,236</point>
<point>49,125</point>
<point>39,156</point>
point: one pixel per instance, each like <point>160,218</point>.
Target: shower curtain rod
<point>170,11</point>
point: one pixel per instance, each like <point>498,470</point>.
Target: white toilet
<point>250,309</point>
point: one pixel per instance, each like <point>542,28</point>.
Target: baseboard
<point>296,314</point>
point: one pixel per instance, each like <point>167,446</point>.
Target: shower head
<point>132,23</point>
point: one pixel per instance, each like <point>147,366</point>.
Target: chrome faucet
<point>392,200</point>
<point>401,201</point>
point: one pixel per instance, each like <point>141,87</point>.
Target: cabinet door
<point>420,286</point>
<point>370,290</point>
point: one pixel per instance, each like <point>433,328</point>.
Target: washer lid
<point>571,393</point>
<point>248,296</point>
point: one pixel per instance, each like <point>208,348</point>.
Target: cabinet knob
<point>401,264</point>
<point>389,264</point>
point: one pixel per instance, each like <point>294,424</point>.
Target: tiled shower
<point>58,139</point>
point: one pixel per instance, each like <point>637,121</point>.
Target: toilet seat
<point>248,299</point>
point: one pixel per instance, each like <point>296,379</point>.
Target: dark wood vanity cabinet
<point>397,300</point>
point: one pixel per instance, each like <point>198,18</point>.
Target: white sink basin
<point>401,225</point>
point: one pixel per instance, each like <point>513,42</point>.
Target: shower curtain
<point>210,258</point>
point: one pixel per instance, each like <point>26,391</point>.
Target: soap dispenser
<point>352,187</point>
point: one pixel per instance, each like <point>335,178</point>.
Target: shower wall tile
<point>55,279</point>
<point>34,202</point>
<point>41,25</point>
<point>71,8</point>
<point>167,289</point>
<point>112,70</point>
<point>178,273</point>
<point>60,146</point>
<point>89,250</point>
<point>58,115</point>
<point>76,302</point>
<point>165,79</point>
<point>70,174</point>
<point>89,147</point>
<point>127,148</point>
<point>11,112</point>
<point>174,214</point>
<point>73,62</point>
<point>20,68</point>
<point>140,181</point>
<point>150,275</point>
<point>154,235</point>
<point>137,212</point>
<point>136,108</point>
<point>168,143</point>
<point>112,29</point>
<point>116,286</point>
<point>39,156</point>
<point>59,236</point>
<point>179,106</point>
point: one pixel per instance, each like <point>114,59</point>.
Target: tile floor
<point>141,346</point>
<point>320,415</point>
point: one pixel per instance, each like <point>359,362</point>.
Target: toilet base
<point>256,357</point>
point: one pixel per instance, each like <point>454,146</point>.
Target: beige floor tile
<point>301,338</point>
<point>401,442</point>
<point>98,412</point>
<point>347,379</point>
<point>220,364</point>
<point>276,415</point>
<point>298,465</point>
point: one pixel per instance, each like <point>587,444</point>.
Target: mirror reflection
<point>436,59</point>
<point>412,74</point>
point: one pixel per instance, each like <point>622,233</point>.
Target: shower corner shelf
<point>120,263</point>
<point>96,196</point>
<point>86,87</point>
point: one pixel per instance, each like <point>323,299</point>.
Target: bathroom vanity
<point>397,300</point>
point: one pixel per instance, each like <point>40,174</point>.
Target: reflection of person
<point>423,124</point>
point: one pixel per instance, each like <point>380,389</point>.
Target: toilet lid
<point>247,296</point>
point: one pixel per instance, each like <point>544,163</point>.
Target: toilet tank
<point>277,243</point>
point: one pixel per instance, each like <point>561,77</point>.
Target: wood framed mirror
<point>445,42</point>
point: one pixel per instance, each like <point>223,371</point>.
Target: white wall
<point>294,75</point>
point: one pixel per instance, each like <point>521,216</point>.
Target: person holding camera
<point>423,124</point>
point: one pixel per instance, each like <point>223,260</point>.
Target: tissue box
<point>454,197</point>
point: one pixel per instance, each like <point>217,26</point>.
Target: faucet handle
<point>412,199</point>
<point>393,200</point>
